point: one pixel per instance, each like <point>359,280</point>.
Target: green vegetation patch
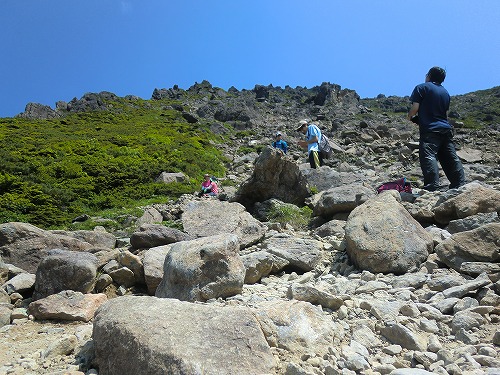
<point>54,170</point>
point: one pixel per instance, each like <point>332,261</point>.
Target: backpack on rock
<point>400,185</point>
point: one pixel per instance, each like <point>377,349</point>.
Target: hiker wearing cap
<point>279,143</point>
<point>313,137</point>
<point>208,187</point>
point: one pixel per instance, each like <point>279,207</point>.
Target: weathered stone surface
<point>311,294</point>
<point>153,261</point>
<point>472,222</point>
<point>296,326</point>
<point>274,173</point>
<point>169,177</point>
<point>477,245</point>
<point>67,305</point>
<point>396,244</point>
<point>21,283</point>
<point>97,237</point>
<point>401,335</point>
<point>150,216</point>
<point>259,264</point>
<point>152,235</point>
<point>24,245</point>
<point>326,177</point>
<point>301,253</point>
<point>201,269</point>
<point>65,270</point>
<point>475,199</point>
<point>147,335</point>
<point>211,217</point>
<point>341,199</point>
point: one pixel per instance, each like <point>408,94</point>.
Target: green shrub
<point>54,170</point>
<point>295,216</point>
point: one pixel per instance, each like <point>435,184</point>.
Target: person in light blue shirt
<point>313,138</point>
<point>279,143</point>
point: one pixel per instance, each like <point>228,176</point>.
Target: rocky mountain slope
<point>372,284</point>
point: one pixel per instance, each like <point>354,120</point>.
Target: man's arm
<point>313,140</point>
<point>413,110</point>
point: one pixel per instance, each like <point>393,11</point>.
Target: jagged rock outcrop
<point>38,111</point>
<point>275,176</point>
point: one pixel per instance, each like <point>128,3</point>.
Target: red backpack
<point>400,185</point>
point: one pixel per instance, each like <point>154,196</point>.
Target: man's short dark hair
<point>437,74</point>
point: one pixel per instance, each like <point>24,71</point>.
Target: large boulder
<point>211,217</point>
<point>301,254</point>
<point>152,235</point>
<point>341,199</point>
<point>474,199</point>
<point>153,261</point>
<point>381,236</point>
<point>201,269</point>
<point>97,237</point>
<point>150,336</point>
<point>67,305</point>
<point>24,245</point>
<point>324,178</point>
<point>275,176</point>
<point>479,247</point>
<point>65,270</point>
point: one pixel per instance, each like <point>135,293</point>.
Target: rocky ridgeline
<point>381,284</point>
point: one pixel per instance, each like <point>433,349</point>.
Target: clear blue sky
<point>55,50</point>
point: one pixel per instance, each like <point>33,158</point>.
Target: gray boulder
<point>259,264</point>
<point>22,283</point>
<point>301,253</point>
<point>477,245</point>
<point>150,336</point>
<point>202,269</point>
<point>153,261</point>
<point>97,237</point>
<point>325,178</point>
<point>381,236</point>
<point>275,176</point>
<point>169,177</point>
<point>474,199</point>
<point>211,217</point>
<point>24,245</point>
<point>65,270</point>
<point>67,305</point>
<point>341,199</point>
<point>152,235</point>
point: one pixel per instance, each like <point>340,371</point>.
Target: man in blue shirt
<point>280,143</point>
<point>313,138</point>
<point>431,101</point>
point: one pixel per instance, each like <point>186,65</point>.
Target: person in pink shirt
<point>208,188</point>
